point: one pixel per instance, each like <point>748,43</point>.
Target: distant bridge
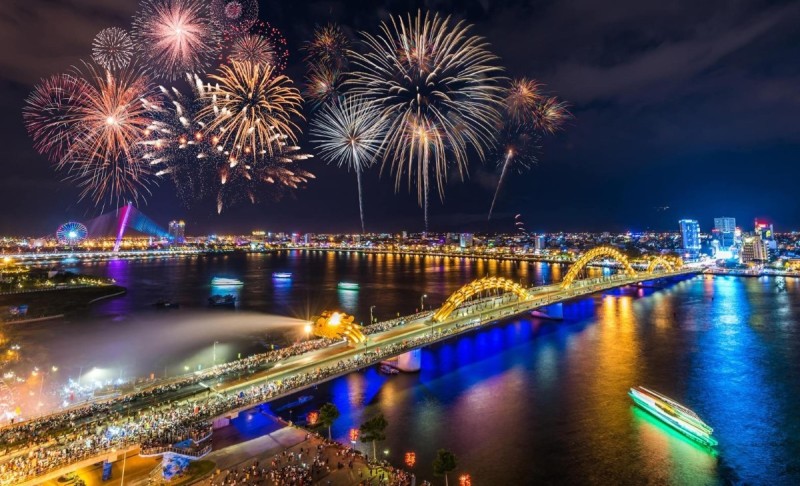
<point>476,304</point>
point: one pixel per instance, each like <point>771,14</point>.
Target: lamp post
<point>215,353</point>
<point>371,319</point>
<point>422,302</point>
<point>308,331</point>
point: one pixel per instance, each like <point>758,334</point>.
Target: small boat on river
<point>348,286</point>
<point>226,282</point>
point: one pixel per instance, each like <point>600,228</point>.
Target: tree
<point>444,463</point>
<point>327,415</point>
<point>373,430</point>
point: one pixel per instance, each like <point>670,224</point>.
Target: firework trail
<point>249,109</point>
<point>328,48</point>
<point>112,48</point>
<point>176,36</point>
<point>349,132</point>
<point>529,112</point>
<point>234,15</point>
<point>436,84</point>
<point>519,144</point>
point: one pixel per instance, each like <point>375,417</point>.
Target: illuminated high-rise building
<point>177,232</point>
<point>725,231</point>
<point>690,234</point>
<point>466,240</point>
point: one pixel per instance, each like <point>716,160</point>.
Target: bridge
<point>217,396</point>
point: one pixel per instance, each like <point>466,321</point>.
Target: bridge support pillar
<point>220,423</point>
<point>552,311</point>
<point>410,361</point>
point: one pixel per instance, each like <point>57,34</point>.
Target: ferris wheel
<point>71,233</point>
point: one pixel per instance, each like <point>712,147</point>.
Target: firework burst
<point>53,114</point>
<point>528,114</point>
<point>522,100</point>
<point>328,48</point>
<point>436,84</point>
<point>551,114</point>
<point>234,15</point>
<point>249,109</point>
<point>105,155</point>
<point>176,36</point>
<point>349,132</point>
<point>254,49</point>
<point>112,48</point>
<point>182,146</point>
<point>323,86</point>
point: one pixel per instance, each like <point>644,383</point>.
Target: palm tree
<point>444,463</point>
<point>328,413</point>
<point>373,430</point>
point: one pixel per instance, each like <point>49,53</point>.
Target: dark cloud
<point>682,103</point>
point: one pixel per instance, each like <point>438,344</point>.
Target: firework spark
<point>437,86</point>
<point>349,132</point>
<point>234,15</point>
<point>112,48</point>
<point>254,49</point>
<point>249,109</point>
<point>323,85</point>
<point>104,156</point>
<point>177,36</point>
<point>328,48</point>
<point>53,114</point>
<point>246,181</point>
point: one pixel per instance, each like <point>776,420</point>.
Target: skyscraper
<point>725,230</point>
<point>177,231</point>
<point>690,234</point>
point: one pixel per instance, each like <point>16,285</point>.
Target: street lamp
<point>422,302</point>
<point>371,319</point>
<point>308,331</point>
<point>215,352</point>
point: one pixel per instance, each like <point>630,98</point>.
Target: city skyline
<point>632,157</point>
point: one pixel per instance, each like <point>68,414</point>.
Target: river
<point>525,401</point>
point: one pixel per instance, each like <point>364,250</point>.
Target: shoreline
<point>58,303</point>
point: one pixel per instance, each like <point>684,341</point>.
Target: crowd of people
<point>172,419</point>
<point>311,465</point>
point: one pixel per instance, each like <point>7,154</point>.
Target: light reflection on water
<point>523,402</point>
<point>531,402</point>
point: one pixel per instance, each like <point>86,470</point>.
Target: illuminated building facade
<point>177,232</point>
<point>690,236</point>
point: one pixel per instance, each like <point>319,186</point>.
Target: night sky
<point>686,104</point>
